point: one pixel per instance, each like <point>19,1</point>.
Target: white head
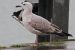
<point>27,5</point>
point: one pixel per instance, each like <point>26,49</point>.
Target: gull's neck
<point>26,15</point>
<point>27,11</point>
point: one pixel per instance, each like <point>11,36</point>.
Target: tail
<point>67,34</point>
<point>63,34</point>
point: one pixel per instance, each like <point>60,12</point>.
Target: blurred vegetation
<point>2,47</point>
<point>19,45</point>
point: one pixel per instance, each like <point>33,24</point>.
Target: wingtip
<point>67,34</point>
<point>70,35</point>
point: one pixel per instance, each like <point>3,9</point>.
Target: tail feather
<point>67,34</point>
<point>63,34</point>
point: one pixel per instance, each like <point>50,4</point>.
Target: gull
<point>37,24</point>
